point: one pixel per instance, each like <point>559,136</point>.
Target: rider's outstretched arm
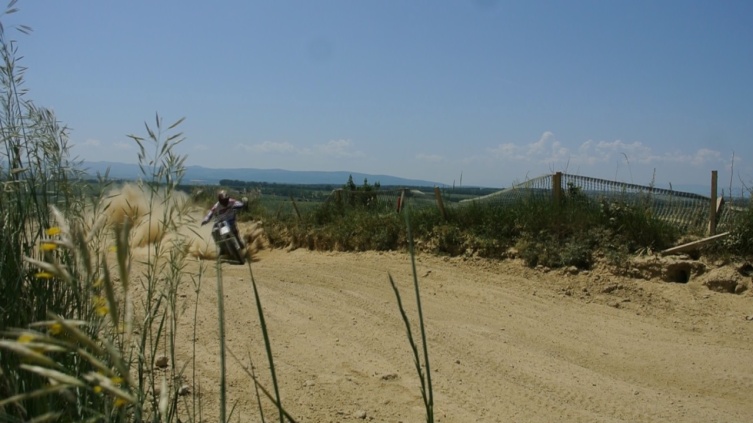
<point>209,215</point>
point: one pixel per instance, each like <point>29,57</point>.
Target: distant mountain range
<point>210,176</point>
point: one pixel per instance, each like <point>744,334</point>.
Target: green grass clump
<point>347,223</point>
<point>738,245</point>
<point>572,232</point>
<point>76,345</point>
<point>37,174</point>
<point>741,239</point>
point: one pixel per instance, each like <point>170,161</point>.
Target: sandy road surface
<point>507,344</point>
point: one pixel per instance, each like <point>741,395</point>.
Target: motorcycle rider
<point>225,209</point>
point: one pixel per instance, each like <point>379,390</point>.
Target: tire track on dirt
<point>346,358</point>
<point>502,347</point>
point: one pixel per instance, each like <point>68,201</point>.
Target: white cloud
<point>591,152</point>
<point>90,143</point>
<point>705,155</point>
<point>508,150</point>
<point>338,148</point>
<point>431,158</point>
<point>123,145</point>
<point>539,147</point>
<point>333,148</point>
<point>271,147</point>
<point>548,150</point>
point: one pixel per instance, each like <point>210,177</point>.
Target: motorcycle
<point>227,243</point>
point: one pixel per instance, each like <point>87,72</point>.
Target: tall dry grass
<point>78,343</point>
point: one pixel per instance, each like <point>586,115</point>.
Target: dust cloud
<point>170,219</point>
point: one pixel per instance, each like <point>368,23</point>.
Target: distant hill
<point>209,176</point>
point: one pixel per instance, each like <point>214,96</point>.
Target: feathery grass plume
<point>36,173</point>
<point>46,391</point>
<point>110,385</point>
<point>55,271</point>
<point>93,346</point>
<point>153,212</point>
<point>47,417</point>
<point>27,353</point>
<point>54,375</point>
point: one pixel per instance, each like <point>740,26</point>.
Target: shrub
<point>739,243</point>
<point>570,233</point>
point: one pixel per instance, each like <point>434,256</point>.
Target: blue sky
<point>495,91</point>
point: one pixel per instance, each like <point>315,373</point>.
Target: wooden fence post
<point>440,203</point>
<point>557,187</point>
<point>295,206</point>
<point>401,200</point>
<point>713,205</point>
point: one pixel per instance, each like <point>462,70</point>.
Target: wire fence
<point>689,212</point>
<point>383,199</point>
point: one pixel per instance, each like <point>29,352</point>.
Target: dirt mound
<point>678,269</point>
<point>727,279</point>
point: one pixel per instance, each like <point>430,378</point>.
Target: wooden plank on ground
<point>693,245</point>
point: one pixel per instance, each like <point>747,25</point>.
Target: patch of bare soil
<point>506,343</point>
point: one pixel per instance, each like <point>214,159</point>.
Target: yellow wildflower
<point>119,402</point>
<point>100,305</point>
<point>48,246</point>
<point>102,311</point>
<point>44,275</point>
<point>56,328</point>
<point>26,338</point>
<point>54,231</point>
<point>116,380</point>
<point>97,389</point>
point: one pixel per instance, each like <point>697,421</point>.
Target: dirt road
<point>506,343</point>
